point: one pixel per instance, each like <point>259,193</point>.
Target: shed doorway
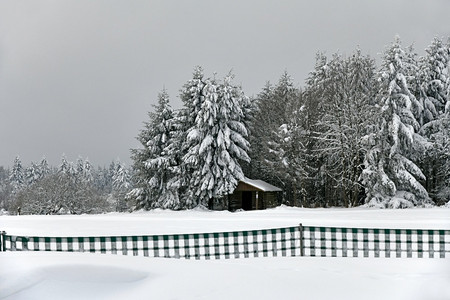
<point>247,203</point>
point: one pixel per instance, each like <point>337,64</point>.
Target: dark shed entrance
<point>247,200</point>
<point>251,194</point>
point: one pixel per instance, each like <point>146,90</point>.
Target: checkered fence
<point>291,241</point>
<point>370,242</point>
<point>237,244</point>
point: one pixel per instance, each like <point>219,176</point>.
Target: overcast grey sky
<point>78,77</point>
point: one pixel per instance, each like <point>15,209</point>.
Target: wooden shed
<point>252,194</point>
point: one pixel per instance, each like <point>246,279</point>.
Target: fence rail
<point>291,241</point>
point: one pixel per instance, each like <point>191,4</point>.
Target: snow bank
<point>95,276</point>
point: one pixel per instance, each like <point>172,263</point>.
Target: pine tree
<point>229,146</point>
<point>44,168</point>
<point>162,164</point>
<point>5,189</point>
<point>32,174</point>
<point>437,80</point>
<point>291,164</point>
<point>103,180</point>
<point>270,150</point>
<point>434,85</point>
<point>79,169</point>
<point>192,96</point>
<point>216,141</point>
<point>157,171</point>
<point>121,185</point>
<point>17,176</point>
<point>66,168</point>
<point>285,142</point>
<point>88,172</point>
<point>440,157</point>
<point>260,128</point>
<point>391,176</point>
<point>312,112</point>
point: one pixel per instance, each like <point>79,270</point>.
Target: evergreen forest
<point>358,132</point>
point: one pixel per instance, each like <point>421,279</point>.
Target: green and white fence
<point>290,241</point>
<point>238,244</point>
<point>370,242</point>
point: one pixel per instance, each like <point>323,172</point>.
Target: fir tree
<point>121,185</point>
<point>162,164</point>
<point>216,142</point>
<point>32,173</point>
<point>274,108</point>
<point>44,168</point>
<point>229,133</point>
<point>88,172</point>
<point>192,96</point>
<point>66,168</point>
<point>435,83</point>
<point>260,128</point>
<point>437,80</point>
<point>156,166</point>
<point>140,193</point>
<point>314,97</point>
<point>391,176</point>
<point>17,176</point>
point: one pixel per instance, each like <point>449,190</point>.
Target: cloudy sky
<point>78,77</point>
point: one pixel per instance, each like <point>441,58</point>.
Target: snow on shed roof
<point>261,185</point>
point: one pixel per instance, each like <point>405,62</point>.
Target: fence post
<point>300,227</point>
<point>2,241</point>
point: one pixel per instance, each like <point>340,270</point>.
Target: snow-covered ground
<point>39,275</point>
<point>168,222</point>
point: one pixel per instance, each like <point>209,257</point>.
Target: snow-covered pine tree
<point>156,170</point>
<point>440,156</point>
<point>162,164</point>
<point>192,96</point>
<point>121,185</point>
<point>434,86</point>
<point>198,142</point>
<point>5,189</point>
<point>32,173</point>
<point>437,80</point>
<point>140,193</point>
<point>216,141</point>
<point>79,168</point>
<point>312,112</point>
<point>88,172</point>
<point>67,168</point>
<point>17,176</point>
<point>272,111</point>
<point>291,167</point>
<point>44,168</point>
<point>284,139</point>
<point>229,146</point>
<point>102,180</point>
<point>259,128</point>
<point>391,176</point>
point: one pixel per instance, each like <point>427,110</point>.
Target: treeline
<point>357,135</point>
<point>70,188</point>
<point>354,134</point>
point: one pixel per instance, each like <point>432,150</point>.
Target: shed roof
<point>261,185</point>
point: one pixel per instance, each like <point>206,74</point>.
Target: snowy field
<point>41,275</point>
